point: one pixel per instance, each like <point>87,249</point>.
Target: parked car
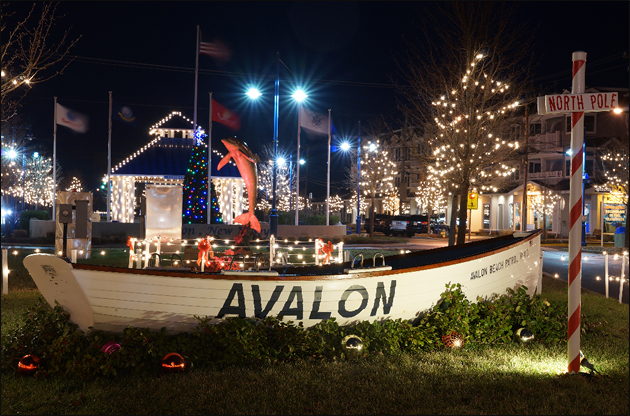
<point>418,224</point>
<point>398,225</point>
<point>443,226</point>
<point>380,221</point>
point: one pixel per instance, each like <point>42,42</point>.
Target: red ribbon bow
<point>205,248</point>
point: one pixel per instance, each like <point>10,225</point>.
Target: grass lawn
<point>478,379</point>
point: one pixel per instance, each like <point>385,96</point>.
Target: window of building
<point>589,123</point>
<point>534,166</point>
<point>567,170</point>
<point>535,129</point>
<point>516,132</point>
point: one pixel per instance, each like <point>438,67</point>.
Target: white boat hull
<point>112,298</point>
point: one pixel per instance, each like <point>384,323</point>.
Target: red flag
<point>222,115</point>
<point>216,49</point>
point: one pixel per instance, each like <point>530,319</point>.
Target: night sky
<point>339,52</point>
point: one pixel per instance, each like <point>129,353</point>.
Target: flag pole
<point>209,196</point>
<point>297,182</point>
<point>109,161</point>
<point>196,77</point>
<point>328,180</point>
<point>54,162</point>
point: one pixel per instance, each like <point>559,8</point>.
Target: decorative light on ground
<point>453,340</point>
<point>524,334</point>
<point>352,344</point>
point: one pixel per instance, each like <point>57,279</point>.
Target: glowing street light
<point>299,95</point>
<point>253,93</point>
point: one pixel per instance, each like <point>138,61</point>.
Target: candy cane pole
<point>575,225</point>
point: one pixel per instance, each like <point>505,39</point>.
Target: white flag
<point>71,119</point>
<point>313,121</point>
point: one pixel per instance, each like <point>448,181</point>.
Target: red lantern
<point>28,365</point>
<point>173,363</point>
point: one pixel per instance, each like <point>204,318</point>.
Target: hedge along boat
<point>399,286</point>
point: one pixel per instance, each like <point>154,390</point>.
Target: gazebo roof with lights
<point>168,154</point>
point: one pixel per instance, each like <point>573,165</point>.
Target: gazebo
<point>164,161</point>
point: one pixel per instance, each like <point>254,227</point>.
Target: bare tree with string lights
<point>461,86</point>
<point>431,195</point>
<point>377,174</point>
<point>615,167</point>
<point>544,203</point>
<point>31,52</point>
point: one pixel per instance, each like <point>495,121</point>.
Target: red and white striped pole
<point>576,206</point>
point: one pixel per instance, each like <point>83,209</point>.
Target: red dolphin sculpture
<point>246,163</point>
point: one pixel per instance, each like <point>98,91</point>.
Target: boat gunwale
<point>260,276</point>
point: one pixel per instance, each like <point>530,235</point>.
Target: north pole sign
<point>577,103</point>
<point>571,103</point>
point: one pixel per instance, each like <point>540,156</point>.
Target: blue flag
<point>123,113</point>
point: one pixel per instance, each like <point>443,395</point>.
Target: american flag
<point>215,49</point>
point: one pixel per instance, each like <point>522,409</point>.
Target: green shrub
<point>25,217</point>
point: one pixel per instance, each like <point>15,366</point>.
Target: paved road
<point>556,263</point>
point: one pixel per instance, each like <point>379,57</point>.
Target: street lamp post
<point>273,217</point>
<point>299,95</point>
<point>359,181</point>
<point>291,182</point>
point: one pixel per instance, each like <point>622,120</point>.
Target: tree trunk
<point>451,230</point>
<point>463,214</point>
<point>372,216</point>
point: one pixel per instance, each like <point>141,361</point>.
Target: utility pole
<point>525,169</point>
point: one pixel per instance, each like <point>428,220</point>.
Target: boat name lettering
<point>493,268</point>
<point>524,254</point>
<point>478,273</point>
<point>294,304</point>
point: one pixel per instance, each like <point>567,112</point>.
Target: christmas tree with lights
<point>216,217</point>
<point>195,204</point>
